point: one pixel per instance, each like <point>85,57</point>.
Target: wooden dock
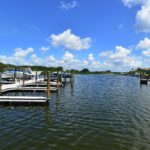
<point>33,85</point>
<point>144,79</point>
<point>21,86</point>
<point>29,85</point>
<point>9,100</point>
<point>43,84</point>
<point>31,89</point>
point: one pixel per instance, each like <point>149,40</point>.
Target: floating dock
<point>21,100</point>
<point>32,89</point>
<point>27,86</point>
<point>24,100</point>
<point>43,84</point>
<point>144,79</point>
<point>33,85</point>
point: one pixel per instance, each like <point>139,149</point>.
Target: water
<point>101,112</point>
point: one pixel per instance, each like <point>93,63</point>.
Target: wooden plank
<point>22,99</point>
<point>29,89</point>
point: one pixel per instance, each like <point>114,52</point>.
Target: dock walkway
<point>21,86</point>
<point>9,100</point>
<point>28,85</point>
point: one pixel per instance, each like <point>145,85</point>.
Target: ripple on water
<point>99,112</point>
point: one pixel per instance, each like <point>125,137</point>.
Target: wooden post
<point>70,77</point>
<point>57,80</point>
<point>0,82</point>
<point>61,78</point>
<point>64,78</point>
<point>23,77</point>
<point>48,85</point>
<point>36,78</point>
<point>44,76</point>
<point>15,74</point>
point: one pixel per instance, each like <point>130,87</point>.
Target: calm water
<point>101,112</point>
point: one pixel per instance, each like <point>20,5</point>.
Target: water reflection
<point>57,101</point>
<point>47,113</point>
<point>72,88</point>
<point>96,112</point>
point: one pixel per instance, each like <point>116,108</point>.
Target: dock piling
<point>36,78</point>
<point>23,77</point>
<point>48,85</point>
<point>143,79</point>
<point>0,83</point>
<point>57,79</point>
<point>15,74</point>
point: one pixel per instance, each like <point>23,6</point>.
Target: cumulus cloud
<point>91,57</point>
<point>51,58</point>
<point>18,57</point>
<point>144,45</point>
<point>120,58</point>
<point>146,52</point>
<point>11,60</point>
<point>44,49</point>
<point>142,17</point>
<point>70,41</point>
<point>121,52</point>
<point>35,60</point>
<point>68,5</point>
<point>92,61</point>
<point>19,52</point>
<point>68,57</point>
<point>105,53</point>
<point>130,3</point>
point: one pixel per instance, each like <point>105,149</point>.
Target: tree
<point>85,71</point>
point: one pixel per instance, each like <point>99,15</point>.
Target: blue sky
<point>96,34</point>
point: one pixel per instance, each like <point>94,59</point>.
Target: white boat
<point>11,74</point>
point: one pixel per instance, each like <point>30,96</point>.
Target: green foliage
<point>139,71</point>
<point>85,71</point>
<point>4,67</point>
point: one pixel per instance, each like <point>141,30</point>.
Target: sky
<point>76,34</point>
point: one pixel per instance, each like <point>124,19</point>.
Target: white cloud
<point>44,49</point>
<point>142,16</point>
<point>146,52</point>
<point>19,52</point>
<point>105,53</point>
<point>121,52</point>
<point>120,59</point>
<point>68,57</point>
<point>70,41</point>
<point>144,45</point>
<point>13,60</point>
<point>51,58</point>
<point>36,60</point>
<point>130,3</point>
<point>91,57</point>
<point>93,62</point>
<point>68,5</point>
<point>18,57</point>
<point>45,61</point>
